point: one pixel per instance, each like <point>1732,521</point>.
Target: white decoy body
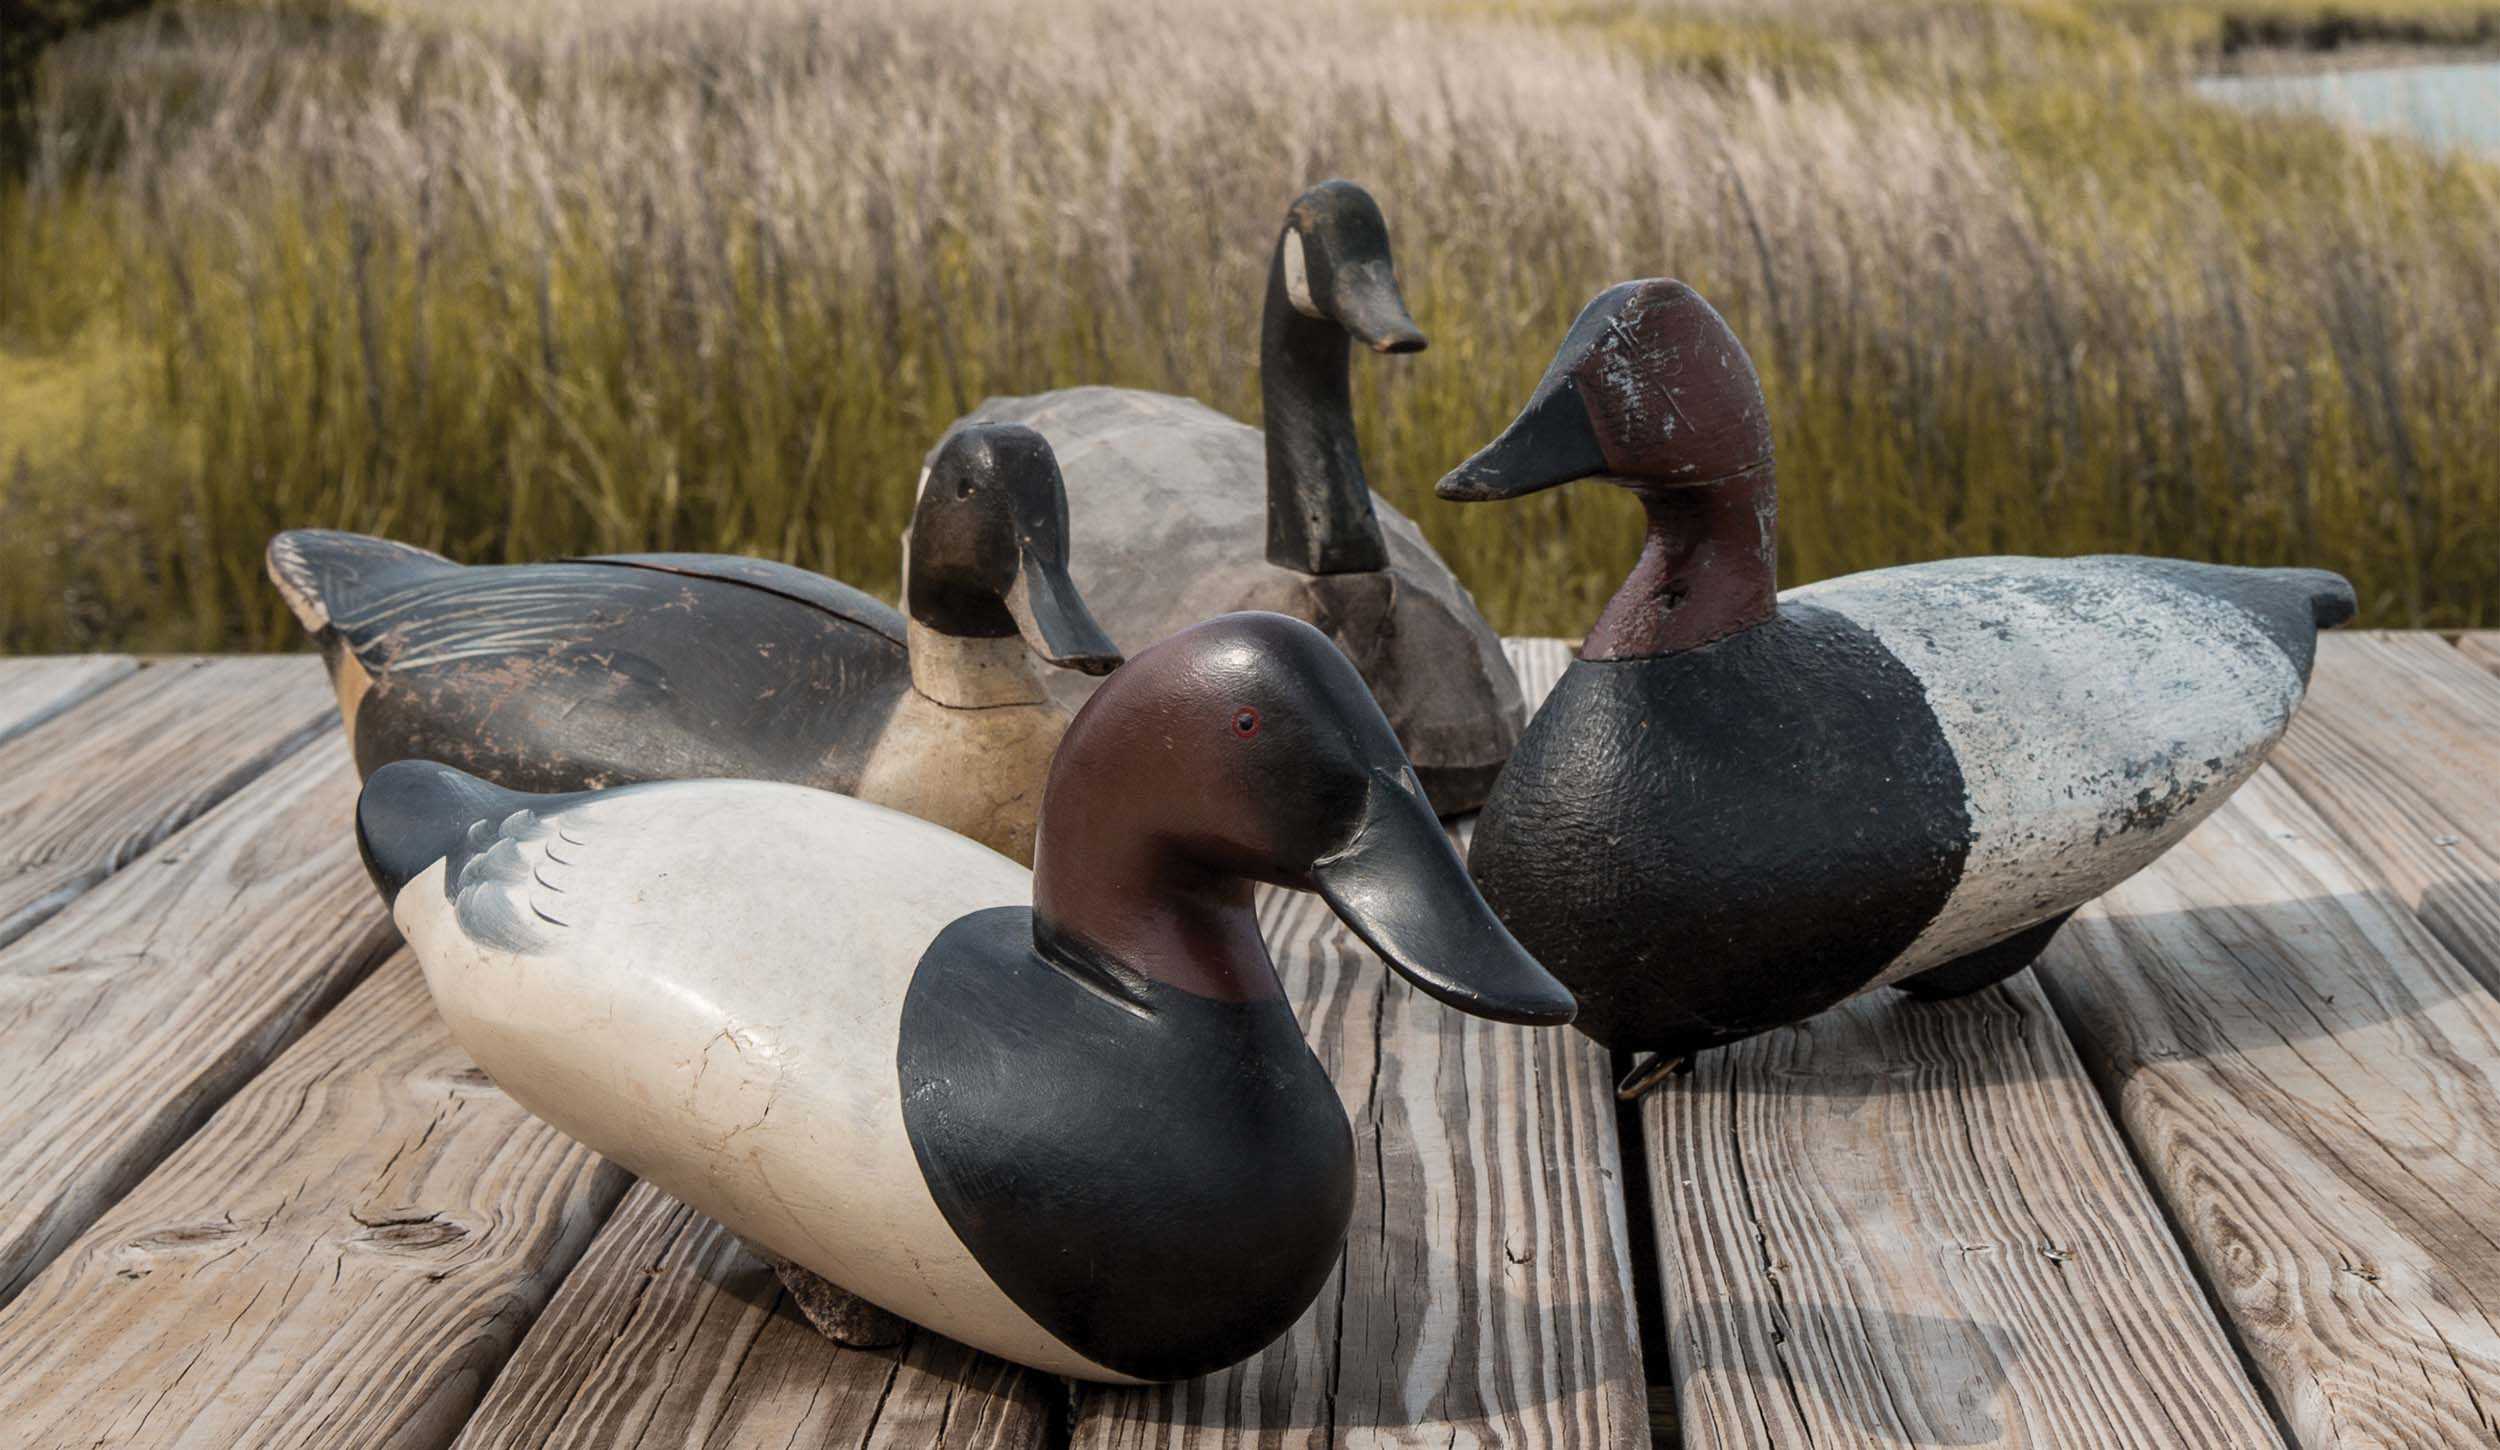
<point>1066,1115</point>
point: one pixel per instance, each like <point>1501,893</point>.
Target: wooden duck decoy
<point>598,672</point>
<point>1740,807</point>
<point>1065,1116</point>
<point>1182,513</point>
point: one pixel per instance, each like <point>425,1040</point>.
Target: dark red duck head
<point>988,551</point>
<point>1246,749</point>
<point>1650,389</point>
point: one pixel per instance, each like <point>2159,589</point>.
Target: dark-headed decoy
<point>1740,807</point>
<point>1066,1116</point>
<point>598,672</point>
<point>1182,513</point>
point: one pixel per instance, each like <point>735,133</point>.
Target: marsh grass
<point>537,281</point>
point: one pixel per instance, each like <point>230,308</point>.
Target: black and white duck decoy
<point>1182,513</point>
<point>1739,807</point>
<point>1063,1115</point>
<point>597,672</point>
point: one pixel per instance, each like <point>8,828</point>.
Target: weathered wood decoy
<point>1182,513</point>
<point>1065,1116</point>
<point>598,672</point>
<point>1740,807</point>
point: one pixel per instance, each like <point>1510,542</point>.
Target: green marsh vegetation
<point>543,278</point>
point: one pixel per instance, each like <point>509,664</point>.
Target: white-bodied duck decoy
<point>1740,807</point>
<point>597,672</point>
<point>1182,513</point>
<point>1065,1116</point>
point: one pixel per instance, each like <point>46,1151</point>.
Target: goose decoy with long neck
<point>1065,1116</point>
<point>596,672</point>
<point>1739,807</point>
<point>1173,524</point>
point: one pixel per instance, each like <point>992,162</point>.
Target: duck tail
<point>414,813</point>
<point>2331,599</point>
<point>324,574</point>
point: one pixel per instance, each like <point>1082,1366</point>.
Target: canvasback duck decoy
<point>1182,513</point>
<point>1065,1115</point>
<point>1739,807</point>
<point>598,672</point>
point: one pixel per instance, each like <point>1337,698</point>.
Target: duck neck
<point>1117,898</point>
<point>1319,505</point>
<point>1708,569</point>
<point>964,672</point>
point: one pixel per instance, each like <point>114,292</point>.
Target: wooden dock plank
<point>34,688</point>
<point>2313,1084</point>
<point>84,793</point>
<point>2398,748</point>
<point>126,1019</point>
<point>669,1333</point>
<point>2482,646</point>
<point>1909,1224</point>
<point>1486,1290</point>
<point>343,1255</point>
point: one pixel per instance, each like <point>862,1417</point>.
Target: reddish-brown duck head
<point>988,551</point>
<point>1650,389</point>
<point>1246,749</point>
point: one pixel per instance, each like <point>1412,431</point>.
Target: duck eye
<point>963,488</point>
<point>1245,722</point>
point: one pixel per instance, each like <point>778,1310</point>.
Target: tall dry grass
<point>524,281</point>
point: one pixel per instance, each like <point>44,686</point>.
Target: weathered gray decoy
<point>1182,513</point>
<point>1065,1116</point>
<point>597,672</point>
<point>1740,807</point>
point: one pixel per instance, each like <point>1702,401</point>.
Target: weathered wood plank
<point>2398,748</point>
<point>34,688</point>
<point>126,1019</point>
<point>1486,1290</point>
<point>1903,1224</point>
<point>2313,1084</point>
<point>669,1333</point>
<point>2482,646</point>
<point>343,1255</point>
<point>83,794</point>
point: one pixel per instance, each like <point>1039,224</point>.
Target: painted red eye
<point>1245,722</point>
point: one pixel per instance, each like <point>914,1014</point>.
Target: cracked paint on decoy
<point>588,673</point>
<point>1740,807</point>
<point>1066,1116</point>
<point>1182,513</point>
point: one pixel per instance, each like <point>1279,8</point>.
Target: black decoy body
<point>1182,513</point>
<point>595,672</point>
<point>1065,1115</point>
<point>1739,807</point>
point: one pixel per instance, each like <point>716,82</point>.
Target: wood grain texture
<point>1903,1223</point>
<point>34,688</point>
<point>1486,1289</point>
<point>2398,749</point>
<point>2482,646</point>
<point>2313,1084</point>
<point>344,1255</point>
<point>670,1333</point>
<point>86,792</point>
<point>126,1019</point>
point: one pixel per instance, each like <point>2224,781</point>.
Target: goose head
<point>1333,264</point>
<point>987,555</point>
<point>1246,750</point>
<point>1650,390</point>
